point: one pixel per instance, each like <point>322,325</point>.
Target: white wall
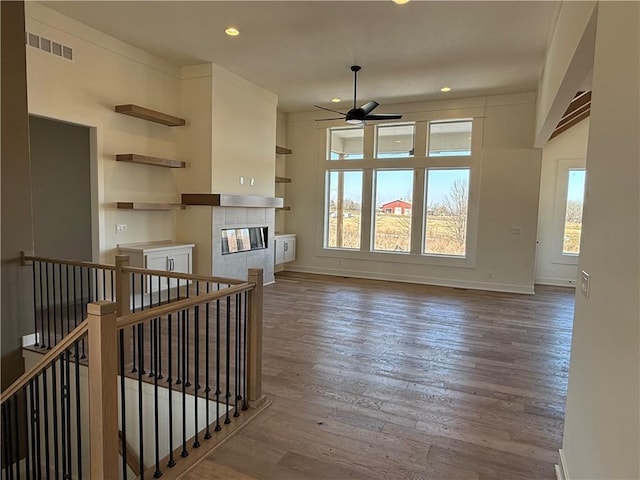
<point>509,186</point>
<point>570,145</point>
<point>230,131</point>
<point>106,72</point>
<point>602,424</point>
<point>243,136</point>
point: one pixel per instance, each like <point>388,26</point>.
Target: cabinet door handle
<point>171,264</point>
<point>286,247</point>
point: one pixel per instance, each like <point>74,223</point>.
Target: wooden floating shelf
<point>148,206</point>
<point>159,162</point>
<point>286,208</point>
<point>150,115</point>
<point>282,150</point>
<point>226,200</point>
<point>283,180</point>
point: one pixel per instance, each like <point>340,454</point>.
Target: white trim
<point>31,339</point>
<point>561,468</point>
<point>556,282</point>
<point>440,282</point>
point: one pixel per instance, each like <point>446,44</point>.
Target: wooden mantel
<point>226,200</point>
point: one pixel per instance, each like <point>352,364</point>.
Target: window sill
<point>398,257</point>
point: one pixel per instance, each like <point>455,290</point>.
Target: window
<point>393,199</point>
<point>450,138</point>
<point>344,208</point>
<point>395,141</point>
<point>407,188</point>
<point>346,144</point>
<point>573,212</point>
<point>446,213</point>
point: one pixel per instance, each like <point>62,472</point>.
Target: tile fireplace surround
<point>235,265</point>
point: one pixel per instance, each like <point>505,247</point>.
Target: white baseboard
<point>561,468</point>
<point>440,282</point>
<point>31,339</point>
<point>556,282</point>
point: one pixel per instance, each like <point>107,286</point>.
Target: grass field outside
<point>392,233</point>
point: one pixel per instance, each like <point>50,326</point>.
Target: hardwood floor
<point>379,380</point>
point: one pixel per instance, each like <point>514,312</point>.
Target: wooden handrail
<point>155,312</point>
<point>49,357</point>
<point>75,263</point>
<point>183,276</point>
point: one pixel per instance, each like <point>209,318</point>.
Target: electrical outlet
<point>121,228</point>
<point>253,182</point>
<point>515,230</point>
<point>241,180</point>
<point>585,283</point>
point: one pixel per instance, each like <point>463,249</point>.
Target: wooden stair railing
<point>103,327</point>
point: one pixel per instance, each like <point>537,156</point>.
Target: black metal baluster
<point>227,395</point>
<point>104,284</point>
<point>152,365</point>
<point>187,382</point>
<point>78,416</point>
<point>218,391</point>
<point>113,292</point>
<point>123,404</point>
<point>6,442</point>
<point>55,327</point>
<point>141,330</point>
<point>61,305</point>
<point>75,302</point>
<point>35,302</point>
<point>41,305</point>
<point>45,394</point>
<point>66,282</point>
<point>36,425</point>
<point>82,309</point>
<point>33,424</point>
<point>196,354</point>
<point>156,342</point>
<point>140,423</point>
<point>17,442</point>
<point>184,452</point>
<point>244,356</point>
<point>207,388</point>
<point>171,462</point>
<point>237,357</point>
<point>67,388</point>
<point>46,266</point>
<point>133,330</point>
<point>84,306</point>
<point>63,416</point>
<point>96,285</point>
<point>54,395</point>
<point>159,327</point>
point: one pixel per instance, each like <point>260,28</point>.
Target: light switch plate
<point>585,283</point>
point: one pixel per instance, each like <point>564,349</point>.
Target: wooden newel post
<point>254,340</point>
<point>123,286</point>
<point>103,389</point>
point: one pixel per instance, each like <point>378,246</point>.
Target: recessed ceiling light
<point>232,31</point>
<point>400,2</point>
<point>445,89</point>
<point>336,100</point>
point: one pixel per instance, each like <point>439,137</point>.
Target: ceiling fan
<point>358,116</point>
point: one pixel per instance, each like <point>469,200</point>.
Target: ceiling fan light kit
<point>359,115</point>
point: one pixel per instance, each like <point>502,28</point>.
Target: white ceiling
<point>302,51</point>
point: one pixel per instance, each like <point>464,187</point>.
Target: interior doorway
<point>61,186</point>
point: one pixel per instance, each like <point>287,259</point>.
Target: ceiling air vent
<point>49,46</point>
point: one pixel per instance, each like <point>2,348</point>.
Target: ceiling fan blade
<point>369,107</point>
<point>327,119</point>
<point>383,116</point>
<point>329,110</point>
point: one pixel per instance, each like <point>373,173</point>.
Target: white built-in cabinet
<point>164,256</point>
<point>285,248</point>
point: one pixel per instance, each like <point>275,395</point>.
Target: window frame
<point>418,163</point>
<point>564,166</point>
